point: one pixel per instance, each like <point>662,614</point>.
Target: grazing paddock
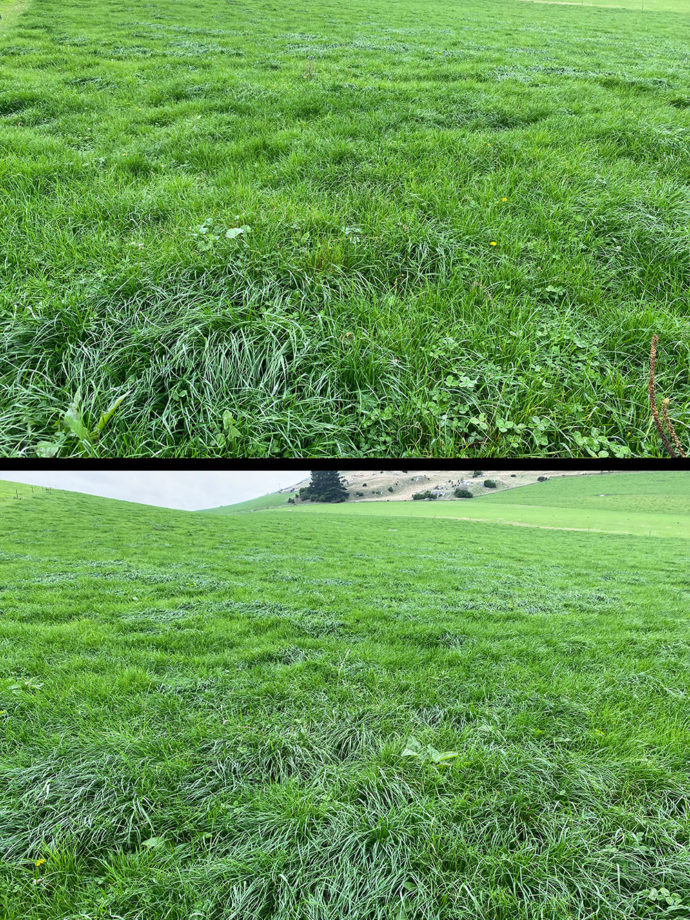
<point>645,504</point>
<point>310,716</point>
<point>342,229</point>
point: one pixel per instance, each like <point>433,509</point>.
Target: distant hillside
<point>401,485</point>
<point>656,492</point>
<point>97,507</point>
<point>366,485</point>
<point>272,500</point>
<point>655,504</point>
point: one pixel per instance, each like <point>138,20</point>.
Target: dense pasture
<point>384,228</point>
<point>205,716</point>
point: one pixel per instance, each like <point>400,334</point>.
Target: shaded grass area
<point>205,716</point>
<point>371,155</point>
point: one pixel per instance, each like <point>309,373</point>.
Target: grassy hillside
<point>9,491</point>
<point>438,229</point>
<point>299,716</point>
<point>70,505</point>
<point>398,485</point>
<point>264,502</point>
<point>647,504</point>
<point>657,492</point>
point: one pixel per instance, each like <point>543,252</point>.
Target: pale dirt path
<point>599,6</point>
<point>504,521</point>
<point>630,533</point>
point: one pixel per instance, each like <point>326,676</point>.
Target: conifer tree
<point>325,486</point>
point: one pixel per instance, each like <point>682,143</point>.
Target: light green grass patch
<point>10,11</point>
<point>656,492</point>
<point>636,6</point>
<point>264,502</point>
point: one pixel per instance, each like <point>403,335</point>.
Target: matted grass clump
<point>309,717</point>
<point>335,229</point>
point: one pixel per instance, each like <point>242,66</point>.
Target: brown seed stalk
<point>671,429</point>
<point>652,398</point>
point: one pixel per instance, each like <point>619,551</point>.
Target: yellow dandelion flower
<point>493,243</point>
<point>39,862</point>
<point>504,199</point>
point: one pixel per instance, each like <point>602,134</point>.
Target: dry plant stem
<point>652,398</point>
<point>671,429</point>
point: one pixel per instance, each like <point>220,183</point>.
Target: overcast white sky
<point>184,489</point>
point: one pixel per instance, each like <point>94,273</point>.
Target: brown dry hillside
<point>399,485</point>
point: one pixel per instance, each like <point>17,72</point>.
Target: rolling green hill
<point>400,485</point>
<point>73,506</point>
<point>634,503</point>
<point>264,502</point>
<point>655,493</point>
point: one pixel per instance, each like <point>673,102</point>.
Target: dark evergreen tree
<point>325,486</point>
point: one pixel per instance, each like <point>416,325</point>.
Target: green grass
<point>675,6</point>
<point>645,504</point>
<point>665,492</point>
<point>10,11</point>
<point>204,716</point>
<point>264,502</point>
<point>368,148</point>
